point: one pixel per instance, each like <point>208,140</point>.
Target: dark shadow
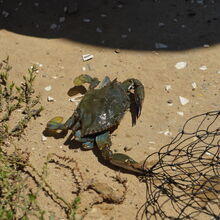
<point>127,24</point>
<point>76,90</point>
<point>55,134</point>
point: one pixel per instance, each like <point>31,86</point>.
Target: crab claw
<point>84,78</point>
<point>126,162</point>
<point>55,123</point>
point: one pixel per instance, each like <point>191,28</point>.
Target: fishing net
<point>183,178</point>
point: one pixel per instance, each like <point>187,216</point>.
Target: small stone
<point>151,142</point>
<point>183,100</point>
<point>43,138</point>
<point>160,45</point>
<point>48,88</point>
<point>50,99</point>
<point>87,57</point>
<point>180,65</point>
<point>218,72</point>
<point>203,68</point>
<point>83,68</point>
<point>180,113</point>
<point>36,4</point>
<point>103,15</point>
<point>129,30</point>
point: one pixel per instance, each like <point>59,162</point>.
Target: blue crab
<point>100,110</point>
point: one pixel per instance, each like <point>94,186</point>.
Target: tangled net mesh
<point>183,178</point>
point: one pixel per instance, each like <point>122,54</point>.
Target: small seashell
<point>194,85</point>
<point>43,138</point>
<point>183,100</point>
<point>87,57</point>
<point>180,113</point>
<point>167,88</point>
<point>203,68</point>
<point>48,88</point>
<point>50,99</point>
<point>181,65</point>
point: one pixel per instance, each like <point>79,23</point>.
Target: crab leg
<point>121,160</point>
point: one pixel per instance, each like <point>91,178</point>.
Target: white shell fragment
<point>183,100</point>
<point>194,86</point>
<point>181,65</point>
<point>48,88</point>
<point>50,99</point>
<point>76,99</point>
<point>160,45</point>
<point>180,113</point>
<point>43,138</point>
<point>167,88</point>
<point>166,132</point>
<point>87,57</point>
<point>203,68</point>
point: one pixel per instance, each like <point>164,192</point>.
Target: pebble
<point>103,15</point>
<point>151,142</point>
<point>181,65</point>
<point>129,29</point>
<point>43,138</point>
<point>50,99</point>
<point>183,100</point>
<point>48,88</point>
<point>203,68</point>
<point>87,57</point>
<point>83,68</point>
<point>218,71</point>
<point>180,113</point>
<point>160,45</point>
